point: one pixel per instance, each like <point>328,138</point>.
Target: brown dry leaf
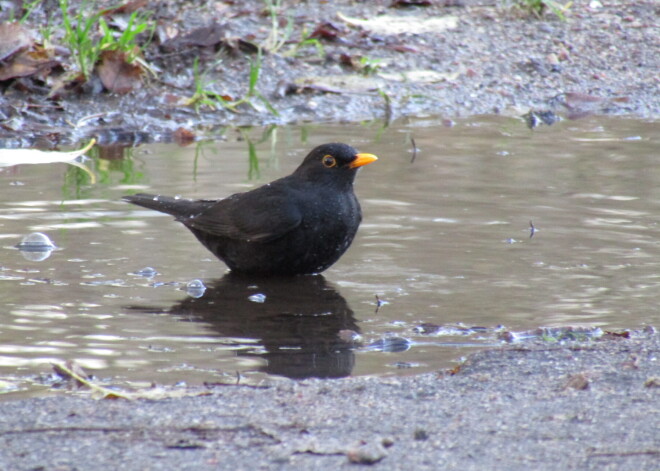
<point>13,38</point>
<point>127,8</point>
<point>455,370</point>
<point>27,63</point>
<point>184,137</point>
<point>328,31</point>
<point>117,75</point>
<point>624,334</point>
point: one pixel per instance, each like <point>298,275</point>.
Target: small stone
<point>421,434</point>
<point>577,381</point>
<point>552,59</point>
<point>369,453</point>
<point>387,442</point>
<point>563,54</point>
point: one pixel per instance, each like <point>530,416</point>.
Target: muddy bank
<point>573,406</point>
<point>331,61</point>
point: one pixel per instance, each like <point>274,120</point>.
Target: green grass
<point>538,8</point>
<point>87,35</point>
<point>127,41</point>
<point>29,6</point>
<point>369,66</point>
<point>204,96</point>
<point>277,37</point>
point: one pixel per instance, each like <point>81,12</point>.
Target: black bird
<point>299,224</point>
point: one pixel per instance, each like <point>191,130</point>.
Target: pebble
<point>369,453</point>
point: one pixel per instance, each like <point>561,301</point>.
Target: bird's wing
<point>255,216</point>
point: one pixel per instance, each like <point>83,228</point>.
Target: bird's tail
<point>177,207</point>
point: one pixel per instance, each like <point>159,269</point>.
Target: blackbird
<point>299,224</point>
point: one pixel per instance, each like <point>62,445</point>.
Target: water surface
<point>445,246</point>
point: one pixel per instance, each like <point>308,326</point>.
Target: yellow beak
<point>362,159</point>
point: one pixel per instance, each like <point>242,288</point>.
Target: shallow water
<point>445,246</point>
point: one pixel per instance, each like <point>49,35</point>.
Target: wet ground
<point>548,407</point>
<point>446,249</point>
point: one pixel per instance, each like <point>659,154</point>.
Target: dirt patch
<point>574,405</point>
<point>323,61</point>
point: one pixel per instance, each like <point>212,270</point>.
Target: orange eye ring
<point>329,161</point>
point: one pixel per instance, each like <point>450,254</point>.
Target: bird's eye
<point>329,161</point>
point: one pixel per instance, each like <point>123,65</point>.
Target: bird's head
<point>333,162</point>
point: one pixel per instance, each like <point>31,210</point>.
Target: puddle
<point>443,257</point>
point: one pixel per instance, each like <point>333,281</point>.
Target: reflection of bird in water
<point>297,320</point>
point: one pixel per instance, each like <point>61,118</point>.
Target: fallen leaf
<point>392,24</point>
<point>341,83</point>
<point>455,370</point>
<point>25,64</point>
<point>625,334</point>
<point>13,38</point>
<point>116,74</point>
<point>11,157</point>
<point>126,8</point>
<point>183,137</point>
<point>421,76</point>
<point>328,31</point>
